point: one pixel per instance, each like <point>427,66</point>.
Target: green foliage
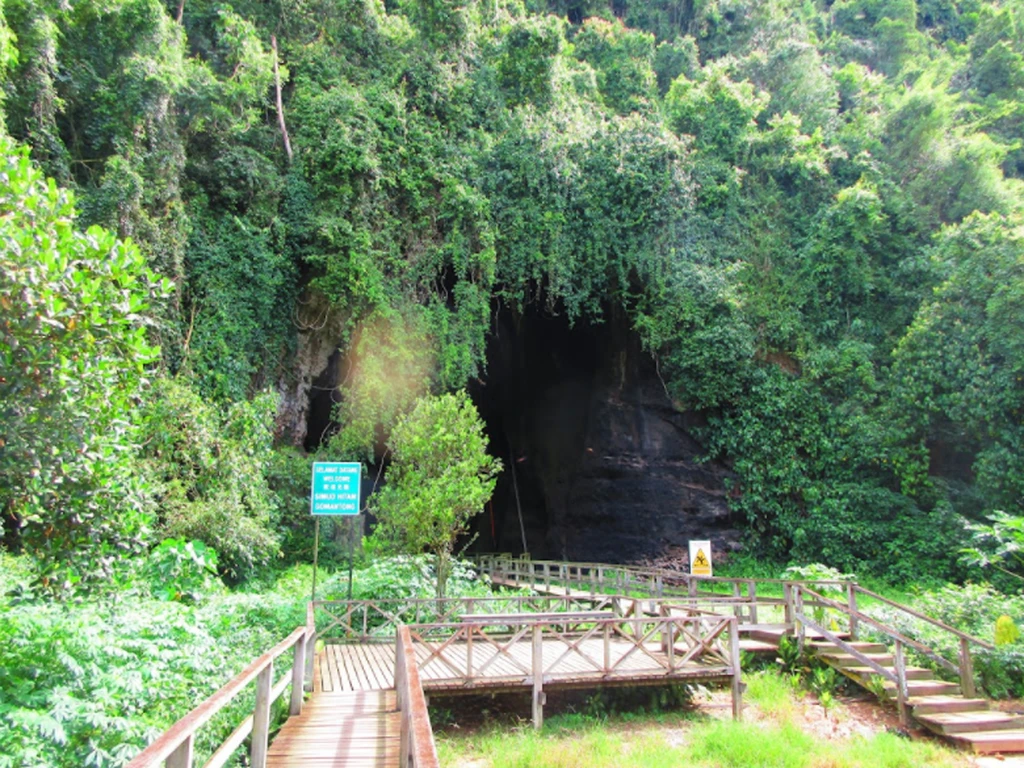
<point>404,576</point>
<point>718,112</point>
<point>91,683</point>
<point>440,476</point>
<point>73,350</point>
<point>1000,544</point>
<point>974,609</point>
<point>525,67</point>
<point>180,570</point>
<point>767,192</point>
<point>1006,631</point>
<point>623,59</point>
<point>209,469</point>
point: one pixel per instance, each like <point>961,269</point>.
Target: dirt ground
<point>856,714</point>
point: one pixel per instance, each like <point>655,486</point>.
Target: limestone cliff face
<point>305,388</point>
<point>606,467</point>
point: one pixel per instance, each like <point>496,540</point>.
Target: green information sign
<point>336,488</point>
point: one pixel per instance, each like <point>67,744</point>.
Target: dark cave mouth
<point>597,464</point>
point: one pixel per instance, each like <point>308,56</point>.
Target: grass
<point>772,694</point>
<point>770,737</point>
<point>709,744</point>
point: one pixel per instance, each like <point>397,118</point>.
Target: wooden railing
<point>417,748</point>
<point>176,747</point>
<point>965,664</point>
<point>481,649</point>
<point>378,619</point>
<point>605,578</point>
<point>805,598</point>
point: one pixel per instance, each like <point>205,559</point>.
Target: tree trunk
<point>444,566</point>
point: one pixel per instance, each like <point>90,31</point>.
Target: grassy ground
<point>775,733</point>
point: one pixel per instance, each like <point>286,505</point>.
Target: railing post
<point>469,653</point>
<point>737,610</point>
<point>734,660</point>
<point>538,677</point>
<point>404,739</point>
<point>901,685</point>
<point>547,576</point>
<point>669,642</point>
<point>966,669</point>
<point>310,659</point>
<point>298,673</point>
<point>183,756</point>
<point>787,595</point>
<point>607,641</point>
<point>798,608</point>
<point>691,586</point>
<point>261,718</point>
<point>851,603</point>
<point>752,596</point>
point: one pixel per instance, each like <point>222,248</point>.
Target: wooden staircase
<point>935,704</point>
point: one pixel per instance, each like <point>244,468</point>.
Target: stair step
<point>925,688</point>
<point>934,704</point>
<point>989,742</point>
<point>821,647</point>
<point>971,722</point>
<point>913,673</point>
<point>846,660</point>
<point>758,646</point>
<point>771,634</point>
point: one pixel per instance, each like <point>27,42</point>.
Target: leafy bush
<point>439,477</point>
<point>405,576</point>
<point>180,570</point>
<point>89,684</point>
<point>74,310</point>
<point>209,468</point>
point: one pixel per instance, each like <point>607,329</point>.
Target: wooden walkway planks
<point>340,730</point>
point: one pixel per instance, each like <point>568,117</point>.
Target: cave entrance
<point>605,467</point>
<point>540,375</point>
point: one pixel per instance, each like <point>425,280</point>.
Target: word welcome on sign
<point>336,488</point>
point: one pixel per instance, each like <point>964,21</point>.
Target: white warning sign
<point>700,558</point>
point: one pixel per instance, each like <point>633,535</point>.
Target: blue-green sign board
<point>336,488</point>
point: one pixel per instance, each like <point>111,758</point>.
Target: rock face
<point>604,465</point>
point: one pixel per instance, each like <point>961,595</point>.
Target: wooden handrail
<point>417,749</point>
<point>642,571</point>
<point>176,745</point>
<point>928,619</point>
<point>453,649</point>
<point>885,629</point>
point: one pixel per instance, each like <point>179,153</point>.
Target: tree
<point>440,476</point>
<point>73,348</point>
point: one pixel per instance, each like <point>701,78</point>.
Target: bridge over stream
<point>367,666</point>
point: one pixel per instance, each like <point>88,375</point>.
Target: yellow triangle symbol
<point>701,560</point>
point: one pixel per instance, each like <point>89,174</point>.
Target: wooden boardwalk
<point>377,658</point>
<point>358,729</point>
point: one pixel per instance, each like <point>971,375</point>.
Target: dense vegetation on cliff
<point>808,211</point>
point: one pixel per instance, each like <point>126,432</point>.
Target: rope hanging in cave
<point>515,487</point>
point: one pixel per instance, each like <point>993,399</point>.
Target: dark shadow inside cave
<point>605,467</point>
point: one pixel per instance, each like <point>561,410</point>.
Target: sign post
<point>700,558</point>
<point>336,490</point>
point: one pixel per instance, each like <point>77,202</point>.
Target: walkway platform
<point>360,729</point>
